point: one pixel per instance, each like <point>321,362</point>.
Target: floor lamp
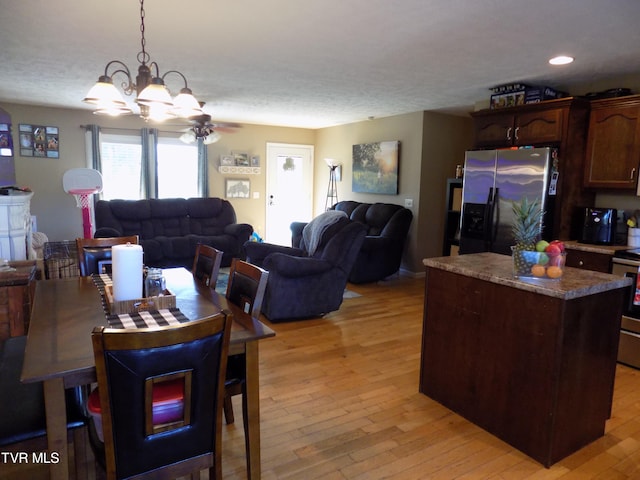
<point>332,189</point>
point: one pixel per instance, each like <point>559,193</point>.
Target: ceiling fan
<point>203,127</point>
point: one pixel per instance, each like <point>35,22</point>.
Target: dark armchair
<point>387,228</point>
<point>302,285</point>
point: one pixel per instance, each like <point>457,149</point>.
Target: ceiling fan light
<point>213,137</point>
<point>104,94</point>
<point>188,137</point>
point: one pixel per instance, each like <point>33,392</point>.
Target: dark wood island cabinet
<point>532,362</point>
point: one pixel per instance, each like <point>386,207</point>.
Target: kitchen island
<point>530,361</point>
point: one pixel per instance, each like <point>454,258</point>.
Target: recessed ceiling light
<point>561,60</point>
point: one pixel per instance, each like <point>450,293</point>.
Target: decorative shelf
<point>242,170</point>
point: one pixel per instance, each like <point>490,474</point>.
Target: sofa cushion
<point>209,216</point>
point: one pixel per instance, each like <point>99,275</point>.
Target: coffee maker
<point>599,226</point>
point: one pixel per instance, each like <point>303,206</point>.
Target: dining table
<point>59,351</point>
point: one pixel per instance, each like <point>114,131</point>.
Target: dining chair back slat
<point>206,265</point>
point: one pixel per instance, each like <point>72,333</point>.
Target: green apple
<point>542,245</point>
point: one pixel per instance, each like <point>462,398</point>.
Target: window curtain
<point>92,145</point>
<point>149,179</point>
<point>203,169</point>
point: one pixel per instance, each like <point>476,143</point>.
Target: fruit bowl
<point>540,265</point>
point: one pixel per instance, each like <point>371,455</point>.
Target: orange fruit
<point>554,272</point>
<point>538,270</point>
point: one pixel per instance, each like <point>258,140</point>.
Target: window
<point>173,175</point>
<point>121,157</point>
<point>177,166</point>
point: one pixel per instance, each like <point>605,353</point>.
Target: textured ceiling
<point>310,63</point>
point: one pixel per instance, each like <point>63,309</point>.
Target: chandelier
<point>152,96</point>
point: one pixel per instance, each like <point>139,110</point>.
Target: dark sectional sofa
<point>387,228</point>
<point>170,229</point>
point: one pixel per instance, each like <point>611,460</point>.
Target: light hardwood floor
<point>340,400</point>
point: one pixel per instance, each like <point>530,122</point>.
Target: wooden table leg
<point>251,413</point>
<point>55,406</point>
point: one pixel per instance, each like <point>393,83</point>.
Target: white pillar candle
<point>126,272</point>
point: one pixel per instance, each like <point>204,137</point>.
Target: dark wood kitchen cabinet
<point>599,262</point>
<point>558,123</point>
<point>540,126</point>
<point>613,143</point>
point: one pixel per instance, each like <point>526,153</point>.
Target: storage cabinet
<point>613,143</point>
<point>599,262</point>
<point>558,123</point>
<point>16,296</point>
<point>533,369</point>
<point>540,126</point>
<point>453,201</point>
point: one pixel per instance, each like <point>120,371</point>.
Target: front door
<point>289,189</point>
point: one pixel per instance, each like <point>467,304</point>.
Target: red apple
<point>558,243</point>
<point>553,250</point>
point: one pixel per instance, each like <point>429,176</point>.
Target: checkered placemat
<point>101,280</point>
<point>152,318</point>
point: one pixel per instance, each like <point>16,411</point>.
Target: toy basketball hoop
<point>82,183</point>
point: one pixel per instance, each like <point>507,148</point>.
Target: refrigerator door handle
<point>495,206</point>
<point>488,220</point>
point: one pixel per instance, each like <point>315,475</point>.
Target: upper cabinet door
<point>613,144</point>
<point>494,130</point>
<point>539,127</point>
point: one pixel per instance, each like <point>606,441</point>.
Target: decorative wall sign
<point>227,160</point>
<point>39,141</point>
<point>375,167</point>
<point>236,188</point>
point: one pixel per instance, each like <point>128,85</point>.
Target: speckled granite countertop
<point>496,268</point>
<point>603,249</point>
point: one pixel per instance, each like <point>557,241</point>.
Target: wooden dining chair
<point>23,425</point>
<point>145,436</point>
<point>95,253</point>
<point>206,265</point>
<point>245,288</point>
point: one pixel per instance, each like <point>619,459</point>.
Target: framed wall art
<point>237,188</point>
<point>39,141</point>
<point>6,142</point>
<point>227,160</point>
<point>375,167</point>
<point>242,159</point>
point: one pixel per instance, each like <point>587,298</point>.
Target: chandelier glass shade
<point>152,95</point>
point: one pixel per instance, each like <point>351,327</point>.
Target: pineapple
<point>526,229</point>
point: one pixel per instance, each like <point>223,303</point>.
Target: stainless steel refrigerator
<point>493,181</point>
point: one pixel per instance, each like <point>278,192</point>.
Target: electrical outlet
<point>256,195</point>
<point>408,202</point>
